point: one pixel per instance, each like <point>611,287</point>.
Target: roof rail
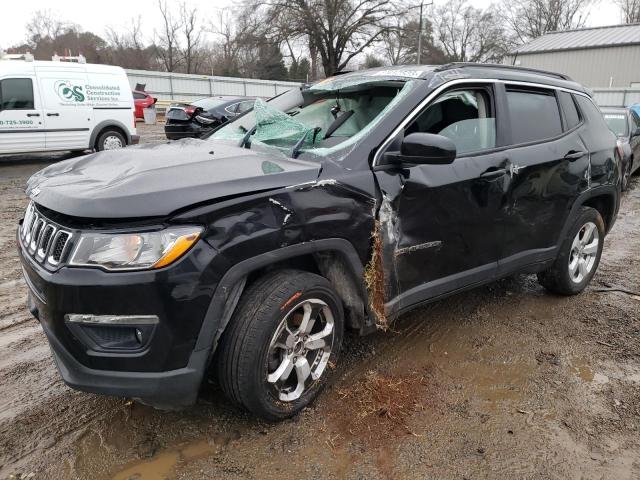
<point>500,66</point>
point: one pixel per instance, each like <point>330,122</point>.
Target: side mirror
<point>636,132</point>
<point>424,148</point>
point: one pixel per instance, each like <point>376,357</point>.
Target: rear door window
<point>16,94</point>
<point>571,115</point>
<point>534,115</point>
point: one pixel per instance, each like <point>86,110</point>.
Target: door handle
<point>33,114</point>
<point>574,155</point>
<point>493,173</point>
<point>53,114</point>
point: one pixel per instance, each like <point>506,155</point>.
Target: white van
<point>49,106</point>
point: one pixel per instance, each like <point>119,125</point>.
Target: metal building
<point>603,57</point>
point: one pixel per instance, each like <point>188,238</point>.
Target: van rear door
<point>21,116</point>
<point>68,117</point>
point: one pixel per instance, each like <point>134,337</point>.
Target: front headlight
<point>133,251</point>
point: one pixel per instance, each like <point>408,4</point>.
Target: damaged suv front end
<point>156,253</point>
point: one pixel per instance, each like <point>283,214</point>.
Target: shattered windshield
<point>323,121</point>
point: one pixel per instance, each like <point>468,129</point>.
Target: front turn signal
<point>178,248</point>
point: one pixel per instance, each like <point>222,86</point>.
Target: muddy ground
<point>505,381</point>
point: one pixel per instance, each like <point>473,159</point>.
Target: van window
<point>571,115</point>
<point>534,115</point>
<point>464,116</point>
<point>16,94</point>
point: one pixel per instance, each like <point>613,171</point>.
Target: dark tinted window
<point>571,115</point>
<point>139,96</point>
<point>534,115</point>
<point>209,103</point>
<point>16,94</point>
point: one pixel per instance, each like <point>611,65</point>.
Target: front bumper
<point>169,370</point>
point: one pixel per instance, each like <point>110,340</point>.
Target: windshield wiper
<point>298,146</point>
<point>245,140</point>
<point>337,123</point>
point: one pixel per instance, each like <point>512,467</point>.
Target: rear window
<point>139,96</point>
<point>16,94</point>
<point>617,123</point>
<point>571,115</point>
<point>209,103</point>
<point>534,115</point>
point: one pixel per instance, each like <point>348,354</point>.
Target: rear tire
<point>579,255</point>
<point>111,140</point>
<point>269,360</point>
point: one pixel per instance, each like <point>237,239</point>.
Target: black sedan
<point>200,117</point>
<point>625,123</point>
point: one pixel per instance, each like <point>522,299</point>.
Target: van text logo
<point>69,92</point>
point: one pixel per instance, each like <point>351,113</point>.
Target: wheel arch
<point>604,199</point>
<point>336,259</point>
<point>108,125</point>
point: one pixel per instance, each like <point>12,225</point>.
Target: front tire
<point>284,337</point>
<point>579,255</point>
<point>110,140</point>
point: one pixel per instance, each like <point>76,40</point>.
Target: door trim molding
<point>45,130</point>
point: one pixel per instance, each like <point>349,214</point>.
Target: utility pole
<point>418,61</point>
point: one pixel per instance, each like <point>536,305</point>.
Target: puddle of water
<point>157,468</point>
<point>162,465</point>
<point>583,370</point>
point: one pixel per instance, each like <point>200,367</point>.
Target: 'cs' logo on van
<point>69,92</point>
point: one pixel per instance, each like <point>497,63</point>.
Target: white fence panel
<point>616,97</point>
<point>184,87</point>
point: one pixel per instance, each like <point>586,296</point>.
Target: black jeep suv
<point>341,205</point>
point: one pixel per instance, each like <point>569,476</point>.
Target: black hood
<point>156,180</point>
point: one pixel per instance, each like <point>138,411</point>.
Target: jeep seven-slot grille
<point>43,240</point>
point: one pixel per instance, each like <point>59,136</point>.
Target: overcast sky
<point>94,16</point>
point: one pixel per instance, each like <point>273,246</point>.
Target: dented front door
<point>440,226</point>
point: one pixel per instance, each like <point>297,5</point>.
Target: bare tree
<point>630,10</point>
<point>468,34</point>
<point>45,24</point>
<point>167,44</point>
<point>128,48</point>
<point>400,44</point>
<point>337,29</point>
<point>192,33</point>
<point>532,18</point>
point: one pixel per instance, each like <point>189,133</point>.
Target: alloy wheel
<point>584,251</point>
<point>300,349</point>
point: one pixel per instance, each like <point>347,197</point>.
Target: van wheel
<point>579,255</point>
<point>110,140</point>
<point>281,343</point>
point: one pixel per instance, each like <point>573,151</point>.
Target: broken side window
<point>465,116</point>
